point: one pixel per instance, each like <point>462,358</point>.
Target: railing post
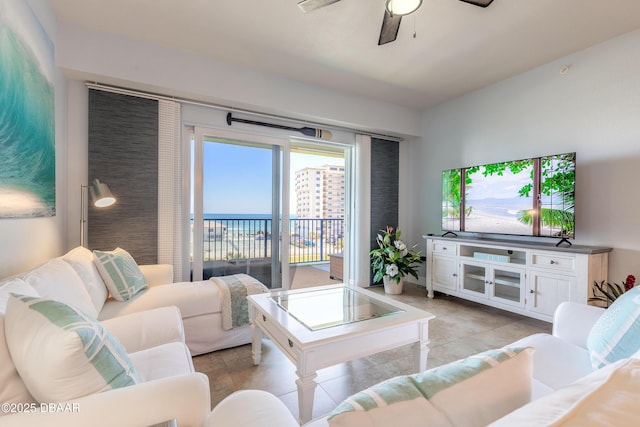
<point>266,233</point>
<point>321,239</point>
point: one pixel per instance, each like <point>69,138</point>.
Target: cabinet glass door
<point>508,286</point>
<point>474,279</point>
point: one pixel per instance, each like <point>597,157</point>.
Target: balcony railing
<point>312,240</point>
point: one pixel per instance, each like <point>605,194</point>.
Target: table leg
<point>420,353</point>
<point>256,343</point>
<point>430,291</point>
<point>306,390</point>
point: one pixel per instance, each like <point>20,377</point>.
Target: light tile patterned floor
<point>461,328</point>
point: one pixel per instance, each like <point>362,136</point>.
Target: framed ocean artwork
<point>27,115</point>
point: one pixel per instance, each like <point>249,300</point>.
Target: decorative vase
<point>391,287</point>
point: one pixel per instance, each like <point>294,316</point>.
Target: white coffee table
<point>327,325</point>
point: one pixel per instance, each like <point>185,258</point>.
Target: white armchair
<point>154,340</point>
<point>572,322</point>
<point>562,356</point>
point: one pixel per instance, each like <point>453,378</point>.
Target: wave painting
<point>27,116</point>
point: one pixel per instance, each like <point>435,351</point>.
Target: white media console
<point>522,277</point>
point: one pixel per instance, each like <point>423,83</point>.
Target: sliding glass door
<point>267,207</point>
<point>318,206</point>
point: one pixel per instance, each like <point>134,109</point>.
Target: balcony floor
<point>306,276</point>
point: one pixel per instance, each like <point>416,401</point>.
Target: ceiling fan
<point>393,13</point>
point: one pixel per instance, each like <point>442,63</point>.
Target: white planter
<point>391,287</point>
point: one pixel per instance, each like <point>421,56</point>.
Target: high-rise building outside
<point>320,192</point>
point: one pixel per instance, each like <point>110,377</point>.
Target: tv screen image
<point>529,197</point>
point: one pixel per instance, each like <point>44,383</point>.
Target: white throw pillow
<point>120,273</point>
<point>61,353</point>
<point>471,392</point>
<point>59,281</point>
<point>605,397</point>
<point>81,259</point>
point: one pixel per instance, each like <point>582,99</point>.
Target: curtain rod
<point>150,95</point>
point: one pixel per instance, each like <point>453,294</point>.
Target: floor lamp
<point>100,196</point>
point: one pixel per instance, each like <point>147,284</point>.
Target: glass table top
<point>319,309</point>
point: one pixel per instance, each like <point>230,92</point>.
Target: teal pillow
<point>120,273</point>
<point>616,334</point>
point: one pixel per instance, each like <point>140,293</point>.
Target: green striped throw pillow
<point>120,273</point>
<point>473,391</point>
<point>62,354</point>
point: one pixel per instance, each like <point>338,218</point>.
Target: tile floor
<point>461,328</point>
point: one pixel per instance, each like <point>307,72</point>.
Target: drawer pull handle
<point>264,318</point>
<point>552,262</point>
<point>290,343</point>
<point>532,291</point>
<point>455,275</point>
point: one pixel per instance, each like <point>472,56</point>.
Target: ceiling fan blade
<point>481,3</point>
<point>310,5</point>
<point>390,26</point>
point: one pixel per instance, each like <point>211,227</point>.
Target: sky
<point>504,186</point>
<point>237,179</point>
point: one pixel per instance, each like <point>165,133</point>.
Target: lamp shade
<point>101,195</point>
<point>403,7</point>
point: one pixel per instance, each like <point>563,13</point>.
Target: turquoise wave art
<point>27,120</point>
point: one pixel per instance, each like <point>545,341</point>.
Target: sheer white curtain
<point>170,221</point>
<point>361,220</point>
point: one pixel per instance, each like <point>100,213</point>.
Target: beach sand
<point>479,222</point>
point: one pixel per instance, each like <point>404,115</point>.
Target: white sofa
<point>81,285</point>
<point>169,387</point>
<point>565,389</point>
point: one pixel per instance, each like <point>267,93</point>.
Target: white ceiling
<point>458,47</point>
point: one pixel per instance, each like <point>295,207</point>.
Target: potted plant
<point>606,293</point>
<point>392,260</point>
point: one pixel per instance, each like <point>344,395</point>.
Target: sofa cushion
<point>13,389</point>
<point>471,392</point>
<point>161,361</point>
<point>120,273</point>
<point>61,353</point>
<point>616,334</point>
<point>16,286</point>
<point>606,397</point>
<point>193,299</point>
<point>57,280</point>
<point>81,259</point>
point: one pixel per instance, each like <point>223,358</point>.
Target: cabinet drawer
<point>553,261</point>
<point>443,248</point>
<point>272,331</point>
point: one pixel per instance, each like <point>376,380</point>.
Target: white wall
<point>30,241</point>
<point>92,55</point>
<point>594,110</point>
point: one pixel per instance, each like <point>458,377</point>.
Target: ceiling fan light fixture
<point>403,7</point>
<point>311,5</point>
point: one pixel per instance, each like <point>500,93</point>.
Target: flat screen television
<point>528,197</point>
